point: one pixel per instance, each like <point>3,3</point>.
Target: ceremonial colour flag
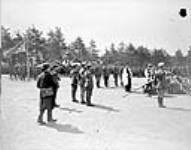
<point>20,47</point>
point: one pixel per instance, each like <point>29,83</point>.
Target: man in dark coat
<point>88,85</point>
<point>74,74</point>
<point>98,72</point>
<point>56,79</point>
<point>115,75</point>
<point>106,73</point>
<point>44,82</point>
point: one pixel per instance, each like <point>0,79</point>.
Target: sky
<point>150,23</point>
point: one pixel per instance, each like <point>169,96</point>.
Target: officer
<point>161,83</point>
<point>74,74</point>
<point>45,83</point>
<point>88,85</point>
<point>82,82</point>
<point>106,73</point>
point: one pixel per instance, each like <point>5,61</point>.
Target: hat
<point>45,66</point>
<point>160,64</point>
<point>88,65</point>
<point>149,65</point>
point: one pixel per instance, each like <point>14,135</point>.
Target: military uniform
<point>149,74</point>
<point>161,84</point>
<point>98,72</point>
<point>115,75</point>
<point>74,83</point>
<point>127,75</point>
<point>121,75</point>
<point>106,74</point>
<point>88,86</point>
<point>45,80</point>
<point>82,83</point>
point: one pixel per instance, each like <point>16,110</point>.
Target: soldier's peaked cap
<point>160,64</point>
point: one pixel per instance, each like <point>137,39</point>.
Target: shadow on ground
<point>108,108</point>
<point>70,109</point>
<point>64,128</point>
<point>178,109</point>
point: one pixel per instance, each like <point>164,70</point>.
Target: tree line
<point>53,46</point>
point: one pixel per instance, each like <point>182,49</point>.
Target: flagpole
<point>27,58</point>
<point>1,55</point>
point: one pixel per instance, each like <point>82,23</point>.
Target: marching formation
<point>82,76</point>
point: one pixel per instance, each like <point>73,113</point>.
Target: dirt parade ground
<point>134,122</point>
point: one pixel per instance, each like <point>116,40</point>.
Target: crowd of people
<point>82,76</point>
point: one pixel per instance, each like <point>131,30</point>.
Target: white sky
<point>151,23</point>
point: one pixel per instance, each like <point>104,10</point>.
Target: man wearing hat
<point>160,76</point>
<point>46,84</point>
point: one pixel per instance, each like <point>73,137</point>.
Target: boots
<point>160,102</point>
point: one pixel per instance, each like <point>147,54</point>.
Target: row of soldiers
<point>82,75</point>
<point>19,72</point>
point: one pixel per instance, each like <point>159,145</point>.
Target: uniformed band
<point>82,76</point>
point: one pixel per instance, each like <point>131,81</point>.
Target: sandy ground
<point>114,123</point>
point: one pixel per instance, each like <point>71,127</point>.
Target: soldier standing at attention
<point>121,75</point>
<point>88,85</point>
<point>115,75</point>
<point>106,74</point>
<point>82,82</point>
<point>55,72</point>
<point>98,72</point>
<point>127,78</point>
<point>161,83</point>
<point>74,82</point>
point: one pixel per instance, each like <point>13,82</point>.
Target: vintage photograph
<point>95,75</point>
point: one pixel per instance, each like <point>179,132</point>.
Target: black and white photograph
<point>95,75</point>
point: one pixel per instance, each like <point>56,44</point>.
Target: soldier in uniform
<point>82,82</point>
<point>106,73</point>
<point>98,73</point>
<point>149,74</point>
<point>127,75</point>
<point>45,82</point>
<point>115,75</point>
<point>88,84</point>
<point>161,83</point>
<point>74,74</point>
<point>56,78</point>
<point>121,75</point>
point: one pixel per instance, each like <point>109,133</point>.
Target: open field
<point>114,123</point>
